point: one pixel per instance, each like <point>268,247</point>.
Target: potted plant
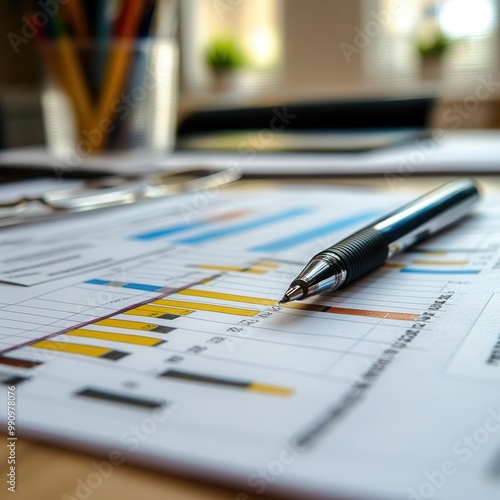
<point>224,57</point>
<point>431,52</point>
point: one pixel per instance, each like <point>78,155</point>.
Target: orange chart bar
<point>230,215</point>
<point>355,312</point>
<point>373,314</point>
<point>18,362</point>
<point>423,262</point>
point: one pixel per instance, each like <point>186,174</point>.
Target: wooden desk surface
<point>48,473</point>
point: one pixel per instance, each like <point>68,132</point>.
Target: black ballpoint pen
<point>370,247</point>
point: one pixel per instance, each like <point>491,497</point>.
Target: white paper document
<point>175,353</point>
<point>455,151</point>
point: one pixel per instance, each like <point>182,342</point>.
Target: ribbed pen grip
<point>360,252</point>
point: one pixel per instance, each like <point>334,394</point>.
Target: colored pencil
<point>119,60</point>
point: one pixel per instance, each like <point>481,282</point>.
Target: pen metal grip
<point>360,253</point>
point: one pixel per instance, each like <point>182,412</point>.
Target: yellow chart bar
<point>228,296</point>
<point>221,268</point>
<point>116,337</point>
<point>244,385</point>
<point>207,307</point>
<point>270,265</point>
<point>254,270</point>
<point>395,265</point>
<point>441,262</point>
<point>157,312</point>
<point>129,325</point>
<point>168,310</point>
<point>207,280</point>
<point>139,311</point>
<point>271,389</point>
<point>234,269</point>
<point>85,350</point>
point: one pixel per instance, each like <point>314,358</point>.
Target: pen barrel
<point>360,253</point>
<point>427,215</point>
<point>372,246</point>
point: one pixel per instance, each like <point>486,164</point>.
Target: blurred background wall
<point>20,111</point>
<point>297,50</point>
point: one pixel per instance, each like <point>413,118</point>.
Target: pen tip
<point>293,293</point>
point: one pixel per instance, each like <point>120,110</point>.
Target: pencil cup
<point>117,97</point>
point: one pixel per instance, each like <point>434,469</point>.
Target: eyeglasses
<point>113,191</point>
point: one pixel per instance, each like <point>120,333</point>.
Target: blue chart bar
<point>167,231</point>
<point>297,239</point>
<point>437,271</point>
<point>98,282</point>
<point>132,286</point>
<point>246,226</point>
<point>140,286</point>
